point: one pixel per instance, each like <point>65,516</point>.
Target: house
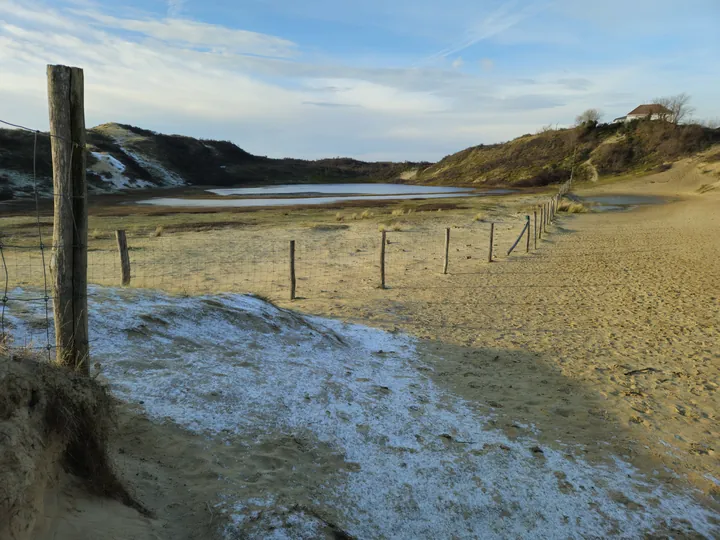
<point>652,111</point>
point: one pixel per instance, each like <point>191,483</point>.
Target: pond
<point>619,202</point>
<point>319,194</point>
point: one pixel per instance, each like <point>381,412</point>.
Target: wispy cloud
<point>198,34</point>
<point>175,8</point>
<point>496,22</point>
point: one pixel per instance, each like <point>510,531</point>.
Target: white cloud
<point>197,34</point>
<point>458,63</point>
<point>487,64</point>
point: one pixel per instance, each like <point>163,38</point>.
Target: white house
<point>652,111</point>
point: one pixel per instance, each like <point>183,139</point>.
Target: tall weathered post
<point>67,134</point>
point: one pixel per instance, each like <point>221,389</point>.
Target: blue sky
<point>372,79</point>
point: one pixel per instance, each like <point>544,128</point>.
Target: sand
<point>602,342</point>
<point>607,336</point>
<point>310,424</point>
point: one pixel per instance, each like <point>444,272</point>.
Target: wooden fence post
<point>67,131</point>
<point>447,250</point>
<point>492,239</point>
<point>547,215</point>
<point>535,232</point>
<point>527,240</point>
<point>292,270</point>
<point>124,257</point>
<point>526,227</point>
<point>542,216</point>
<point>382,259</point>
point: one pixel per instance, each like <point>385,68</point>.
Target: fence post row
<point>124,257</point>
<point>447,250</point>
<point>67,137</point>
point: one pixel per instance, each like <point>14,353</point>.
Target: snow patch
<point>111,170</point>
<point>166,177</point>
<point>426,464</point>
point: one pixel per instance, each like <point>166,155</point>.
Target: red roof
<point>645,110</point>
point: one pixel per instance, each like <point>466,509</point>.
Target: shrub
<point>159,230</point>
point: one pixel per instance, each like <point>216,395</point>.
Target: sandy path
<point>607,336</point>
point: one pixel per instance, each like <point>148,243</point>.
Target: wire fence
<point>331,262</point>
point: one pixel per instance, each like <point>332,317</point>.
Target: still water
<point>318,194</point>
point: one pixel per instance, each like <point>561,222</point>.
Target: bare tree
<point>679,107</point>
<point>590,116</point>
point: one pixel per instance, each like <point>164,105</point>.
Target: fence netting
<point>333,262</point>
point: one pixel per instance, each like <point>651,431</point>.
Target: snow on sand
<point>425,464</point>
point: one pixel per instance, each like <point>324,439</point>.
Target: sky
<point>372,79</point>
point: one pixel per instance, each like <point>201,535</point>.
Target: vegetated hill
<point>123,157</point>
<point>550,156</point>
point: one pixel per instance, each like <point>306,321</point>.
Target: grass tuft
<point>159,230</point>
<point>571,207</point>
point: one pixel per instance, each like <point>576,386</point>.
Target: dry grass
<point>97,234</point>
<point>571,207</point>
<point>398,212</point>
<point>366,214</point>
<point>478,217</point>
<point>339,217</point>
<point>159,230</point>
<point>396,227</point>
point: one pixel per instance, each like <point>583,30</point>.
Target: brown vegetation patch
<point>52,420</point>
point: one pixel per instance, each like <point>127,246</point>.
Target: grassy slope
<point>548,157</point>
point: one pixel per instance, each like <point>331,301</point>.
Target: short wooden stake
<point>383,241</point>
<point>124,257</point>
<point>447,250</point>
<point>527,240</point>
<point>292,270</point>
<point>492,239</point>
<point>542,216</point>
